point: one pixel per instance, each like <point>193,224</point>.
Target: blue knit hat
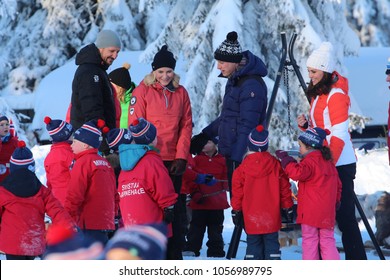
<point>258,139</point>
<point>118,136</point>
<point>3,118</point>
<point>314,137</point>
<point>58,130</point>
<point>143,132</point>
<point>230,49</point>
<point>22,157</point>
<point>89,133</point>
<point>145,242</point>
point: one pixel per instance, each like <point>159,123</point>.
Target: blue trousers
<point>263,246</point>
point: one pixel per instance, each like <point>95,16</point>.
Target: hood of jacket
<point>254,66</point>
<point>90,55</point>
<point>22,183</point>
<point>130,155</point>
<point>251,164</point>
<point>340,82</point>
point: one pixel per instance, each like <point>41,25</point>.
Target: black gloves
<point>169,214</point>
<point>198,142</point>
<point>284,158</point>
<point>238,219</point>
<point>288,215</point>
<point>178,167</point>
<point>207,179</point>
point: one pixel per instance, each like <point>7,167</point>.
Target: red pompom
<point>101,123</point>
<point>21,144</point>
<point>105,129</point>
<point>135,122</point>
<point>259,128</point>
<point>47,120</point>
<point>327,131</point>
<point>58,233</point>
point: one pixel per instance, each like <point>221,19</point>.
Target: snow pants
<point>346,218</point>
<point>316,241</point>
<point>212,220</point>
<point>263,246</point>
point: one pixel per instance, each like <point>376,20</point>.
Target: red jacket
<point>260,188</point>
<point>170,112</point>
<point>6,150</point>
<point>92,199</point>
<point>189,175</point>
<point>145,191</point>
<point>57,166</point>
<point>213,197</point>
<point>319,188</point>
<point>23,204</point>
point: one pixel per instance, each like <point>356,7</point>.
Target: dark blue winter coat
<point>92,96</point>
<point>243,108</point>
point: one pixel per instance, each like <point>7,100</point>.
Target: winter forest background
<point>39,36</point>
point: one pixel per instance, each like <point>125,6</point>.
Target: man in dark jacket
<point>244,103</point>
<point>92,96</point>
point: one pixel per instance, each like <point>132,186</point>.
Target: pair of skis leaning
<point>284,62</point>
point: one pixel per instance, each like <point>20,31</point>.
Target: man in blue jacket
<point>244,103</point>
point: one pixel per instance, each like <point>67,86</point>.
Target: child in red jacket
<point>8,143</point>
<point>23,204</point>
<point>260,189</point>
<point>92,199</point>
<point>319,194</point>
<point>60,157</point>
<point>146,191</point>
<point>208,198</point>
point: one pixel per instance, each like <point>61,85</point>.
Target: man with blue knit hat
<point>260,190</point>
<point>92,96</point>
<point>244,103</point>
<point>92,199</point>
<point>59,158</point>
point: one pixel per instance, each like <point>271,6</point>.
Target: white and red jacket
<point>260,188</point>
<point>92,199</point>
<point>330,111</point>
<point>57,166</point>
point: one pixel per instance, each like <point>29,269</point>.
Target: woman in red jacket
<point>319,194</point>
<point>165,103</point>
<point>23,204</point>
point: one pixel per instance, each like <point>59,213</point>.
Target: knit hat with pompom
<point>258,139</point>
